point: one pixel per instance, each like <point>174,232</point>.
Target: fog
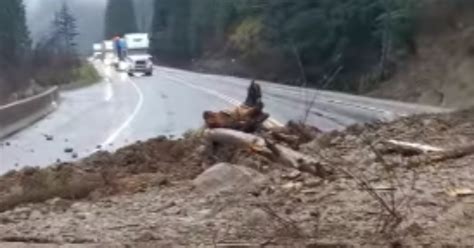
<point>89,14</point>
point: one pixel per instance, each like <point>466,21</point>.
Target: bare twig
<point>386,39</point>
<point>296,52</point>
<point>388,169</point>
<point>326,81</point>
<point>332,77</point>
<point>365,185</point>
<point>286,223</point>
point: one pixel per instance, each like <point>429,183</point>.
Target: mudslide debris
<point>406,183</point>
<point>248,117</point>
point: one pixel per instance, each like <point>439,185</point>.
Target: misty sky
<point>89,14</point>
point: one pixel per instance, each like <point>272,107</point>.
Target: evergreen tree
<point>65,30</point>
<point>14,35</point>
<point>144,14</point>
<point>320,38</point>
<point>120,18</point>
<point>170,29</point>
<point>353,34</point>
<point>209,23</point>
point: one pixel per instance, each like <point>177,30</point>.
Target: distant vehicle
<point>97,48</point>
<point>108,53</point>
<point>137,57</point>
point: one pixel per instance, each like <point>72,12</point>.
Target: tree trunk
<point>248,117</point>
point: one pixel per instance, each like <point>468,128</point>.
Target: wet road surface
<point>122,110</point>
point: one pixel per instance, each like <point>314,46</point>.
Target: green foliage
<point>319,35</point>
<point>119,18</point>
<point>397,19</point>
<point>14,35</point>
<point>187,28</point>
<point>14,47</point>
<point>144,14</point>
<point>349,33</point>
<point>209,24</point>
<point>85,74</point>
<point>170,28</point>
<point>247,37</point>
<point>78,75</point>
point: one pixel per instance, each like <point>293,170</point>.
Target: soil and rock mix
<point>365,191</point>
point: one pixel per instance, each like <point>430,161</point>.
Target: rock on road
<point>122,110</point>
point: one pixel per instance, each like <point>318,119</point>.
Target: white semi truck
<point>109,56</point>
<point>138,59</point>
<point>97,48</point>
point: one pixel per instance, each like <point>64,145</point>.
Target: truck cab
<point>138,59</point>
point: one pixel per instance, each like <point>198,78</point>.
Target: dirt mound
<point>131,169</point>
<point>384,196</point>
<point>374,194</point>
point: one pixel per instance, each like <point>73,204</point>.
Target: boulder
<point>228,177</point>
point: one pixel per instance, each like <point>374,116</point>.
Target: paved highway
<point>122,110</point>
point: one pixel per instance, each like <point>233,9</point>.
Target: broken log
<point>248,117</point>
<point>436,157</point>
<point>409,148</point>
<point>233,137</point>
<point>293,134</point>
<point>278,153</point>
<point>454,153</point>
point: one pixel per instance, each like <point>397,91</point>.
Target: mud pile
<point>193,193</point>
<point>131,169</point>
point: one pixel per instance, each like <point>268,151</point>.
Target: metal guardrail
<point>20,114</point>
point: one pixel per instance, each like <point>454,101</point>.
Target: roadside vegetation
<point>301,42</point>
<point>27,68</point>
<point>14,48</point>
<point>381,47</point>
<point>119,18</point>
<point>409,50</point>
<point>86,74</point>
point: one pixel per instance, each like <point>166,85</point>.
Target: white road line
<point>109,91</point>
<point>322,96</point>
<point>127,122</point>
<point>230,100</point>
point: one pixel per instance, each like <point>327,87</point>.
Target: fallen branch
<point>411,148</point>
<point>233,137</point>
<point>454,153</point>
<point>275,152</point>
<point>297,160</point>
<point>432,154</point>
